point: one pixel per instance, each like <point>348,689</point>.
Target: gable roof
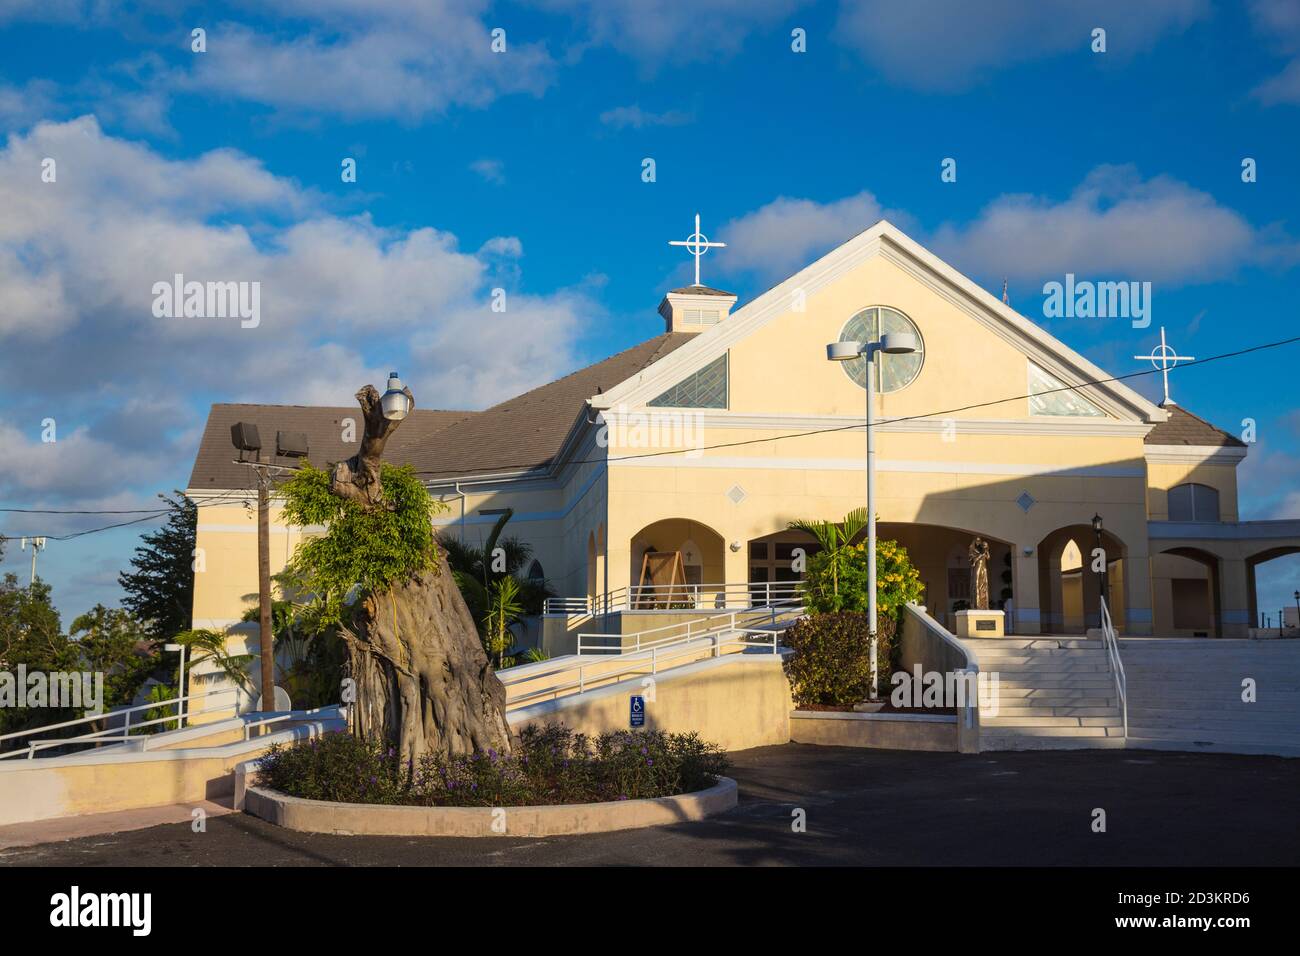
<point>1184,428</point>
<point>886,239</point>
<point>521,434</point>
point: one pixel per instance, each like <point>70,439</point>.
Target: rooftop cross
<point>697,244</point>
<point>1164,358</point>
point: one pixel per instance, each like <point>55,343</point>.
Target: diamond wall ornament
<point>737,494</point>
<point>1026,501</point>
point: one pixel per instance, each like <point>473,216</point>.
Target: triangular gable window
<point>1048,395</point>
<point>707,388</point>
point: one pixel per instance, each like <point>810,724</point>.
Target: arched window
<point>535,572</point>
<point>1193,502</point>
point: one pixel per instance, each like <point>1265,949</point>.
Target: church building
<point>699,446</point>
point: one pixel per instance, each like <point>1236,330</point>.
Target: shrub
<point>551,765</point>
<point>831,664</point>
<point>897,581</point>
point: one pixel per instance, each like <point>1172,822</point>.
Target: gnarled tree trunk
<point>423,680</point>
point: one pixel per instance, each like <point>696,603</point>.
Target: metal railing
<point>1116,665</point>
<point>682,597</point>
<point>595,642</point>
<point>597,672</point>
<point>110,734</point>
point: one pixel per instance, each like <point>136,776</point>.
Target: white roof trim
<point>1115,398</point>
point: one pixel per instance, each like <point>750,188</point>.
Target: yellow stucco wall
<point>964,470</point>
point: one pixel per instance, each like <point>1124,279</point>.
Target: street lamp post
<point>1297,608</point>
<point>1102,582</point>
<point>891,343</point>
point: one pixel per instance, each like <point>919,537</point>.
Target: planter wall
<point>318,816</point>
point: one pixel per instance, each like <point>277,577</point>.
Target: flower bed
<point>551,765</point>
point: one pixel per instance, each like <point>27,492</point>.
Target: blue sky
<point>523,170</point>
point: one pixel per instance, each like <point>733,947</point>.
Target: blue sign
<point>636,716</point>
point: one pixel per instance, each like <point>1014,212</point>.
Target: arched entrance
<point>702,565</point>
<point>941,555</point>
<point>1070,584</point>
<point>1258,613</point>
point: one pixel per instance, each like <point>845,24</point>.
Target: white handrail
<point>655,657</point>
<point>647,596</point>
<point>730,623</point>
<point>1116,664</point>
<point>111,733</point>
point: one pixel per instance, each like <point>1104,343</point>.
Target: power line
<point>888,421</point>
<point>224,497</point>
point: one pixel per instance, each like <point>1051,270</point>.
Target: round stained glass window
<point>892,371</point>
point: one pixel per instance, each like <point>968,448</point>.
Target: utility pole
<point>264,588</point>
<point>37,544</point>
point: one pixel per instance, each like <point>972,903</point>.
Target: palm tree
<point>503,609</point>
<point>207,645</point>
<point>482,574</point>
<point>834,539</point>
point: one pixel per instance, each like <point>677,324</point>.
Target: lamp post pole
<point>891,343</point>
<point>264,589</point>
<point>870,355</point>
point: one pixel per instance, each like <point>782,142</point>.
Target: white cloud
<point>780,238</point>
<point>1114,223</point>
<point>343,300</point>
<point>491,170</point>
<point>671,31</point>
<point>902,41</point>
<point>1278,21</point>
<point>633,117</point>
<point>395,60</point>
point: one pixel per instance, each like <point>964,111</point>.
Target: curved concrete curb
<point>361,819</point>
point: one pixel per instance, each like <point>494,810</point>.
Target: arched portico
<point>1069,587</point>
<point>702,564</point>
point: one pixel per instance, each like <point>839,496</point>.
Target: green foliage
<point>551,765</point>
<point>490,582</point>
<point>834,539</point>
<point>159,694</point>
<point>32,634</point>
<point>841,585</point>
<point>369,548</point>
<point>210,646</point>
<point>831,664</point>
<point>160,591</point>
<point>117,644</point>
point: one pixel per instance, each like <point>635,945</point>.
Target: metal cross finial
<point>1164,358</point>
<point>697,244</point>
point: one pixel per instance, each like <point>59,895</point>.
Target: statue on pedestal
<point>979,578</point>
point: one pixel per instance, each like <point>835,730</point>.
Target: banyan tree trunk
<point>423,681</point>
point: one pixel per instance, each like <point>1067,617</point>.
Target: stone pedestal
<point>981,624</point>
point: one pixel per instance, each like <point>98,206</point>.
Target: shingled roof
<point>520,434</point>
<point>1184,428</point>
<point>215,467</point>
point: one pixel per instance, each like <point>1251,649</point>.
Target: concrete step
<point>1200,725</point>
<point>1156,742</point>
<point>1003,729</point>
<point>1041,711</point>
<point>1015,643</point>
<point>1017,721</point>
<point>1018,742</point>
